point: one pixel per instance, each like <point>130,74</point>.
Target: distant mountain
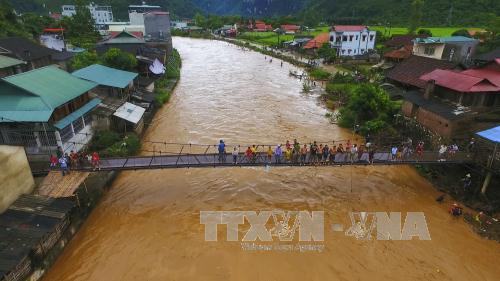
<point>470,13</point>
<point>253,8</point>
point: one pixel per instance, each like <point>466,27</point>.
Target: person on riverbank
<point>455,210</point>
<point>222,151</point>
<point>96,161</point>
<point>303,154</point>
<point>467,183</point>
<point>64,165</point>
<point>269,154</point>
<point>277,154</point>
<point>235,155</point>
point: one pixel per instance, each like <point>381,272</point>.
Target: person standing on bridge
<point>303,154</point>
<point>235,155</point>
<point>277,154</point>
<point>64,165</point>
<point>96,161</point>
<point>269,155</point>
<point>222,151</point>
<point>53,161</point>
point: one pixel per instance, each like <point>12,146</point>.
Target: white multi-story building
<point>100,14</point>
<point>352,40</point>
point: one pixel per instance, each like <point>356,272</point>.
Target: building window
<point>331,38</point>
<point>349,51</point>
<point>66,133</point>
<point>343,51</point>
<point>357,37</point>
<point>364,38</point>
<point>344,38</point>
<point>350,38</point>
<point>362,51</point>
<point>354,51</point>
<point>371,37</point>
<point>429,51</point>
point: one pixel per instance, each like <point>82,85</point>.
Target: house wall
<point>353,43</point>
<point>419,50</point>
<point>16,177</point>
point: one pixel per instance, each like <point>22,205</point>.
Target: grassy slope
<point>436,31</point>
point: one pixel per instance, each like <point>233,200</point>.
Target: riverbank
<point>95,186</point>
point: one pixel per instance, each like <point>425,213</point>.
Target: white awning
<point>130,112</point>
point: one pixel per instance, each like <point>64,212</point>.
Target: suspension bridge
<point>205,156</point>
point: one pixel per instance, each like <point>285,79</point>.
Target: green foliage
<point>34,24</point>
<point>83,59</point>
<point>319,74</point>
<point>119,59</point>
<point>427,32</point>
<point>416,15</point>
<point>128,146</point>
<point>174,65</point>
<point>327,54</point>
<point>79,28</point>
<point>369,107</point>
<point>461,32</point>
<point>103,140</point>
<point>9,25</point>
<point>162,96</point>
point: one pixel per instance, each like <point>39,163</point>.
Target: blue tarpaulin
<point>492,134</point>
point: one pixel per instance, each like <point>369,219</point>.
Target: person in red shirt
<point>53,161</point>
<point>95,161</point>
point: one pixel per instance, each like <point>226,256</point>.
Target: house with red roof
<point>290,28</point>
<point>261,26</point>
<point>352,40</point>
<point>454,103</point>
<point>317,42</point>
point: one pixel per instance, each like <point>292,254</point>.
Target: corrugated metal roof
<point>53,85</point>
<point>8,62</point>
<point>492,134</point>
<point>431,40</point>
<point>77,113</point>
<point>106,76</point>
<point>130,112</point>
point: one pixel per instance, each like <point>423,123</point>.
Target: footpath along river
<point>147,227</point>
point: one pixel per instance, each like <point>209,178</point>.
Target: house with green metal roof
<point>457,49</point>
<point>46,108</point>
<point>10,66</point>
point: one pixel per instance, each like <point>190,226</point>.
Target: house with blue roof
<point>457,49</point>
<point>114,88</point>
<point>46,108</point>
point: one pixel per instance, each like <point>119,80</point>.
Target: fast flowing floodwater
<point>148,227</point>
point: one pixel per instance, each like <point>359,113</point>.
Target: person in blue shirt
<point>222,152</point>
<point>278,153</point>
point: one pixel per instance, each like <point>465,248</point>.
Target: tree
<point>118,59</point>
<point>425,32</point>
<point>200,20</point>
<point>35,24</point>
<point>83,59</point>
<point>80,29</point>
<point>369,107</point>
<point>9,26</point>
<point>327,53</point>
<point>416,15</point>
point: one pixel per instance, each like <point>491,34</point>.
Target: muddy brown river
<point>147,227</point>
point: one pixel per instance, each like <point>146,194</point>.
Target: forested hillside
<point>395,12</point>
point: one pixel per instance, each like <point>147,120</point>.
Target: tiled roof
<point>401,53</point>
<point>25,49</point>
<point>402,40</point>
<point>318,41</point>
<point>460,82</point>
<point>409,71</point>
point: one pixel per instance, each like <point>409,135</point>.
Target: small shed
<point>489,149</point>
<point>129,117</point>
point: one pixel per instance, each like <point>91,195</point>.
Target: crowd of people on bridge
<point>327,154</point>
<point>65,162</point>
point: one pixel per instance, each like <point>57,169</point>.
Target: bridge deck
<point>212,160</point>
